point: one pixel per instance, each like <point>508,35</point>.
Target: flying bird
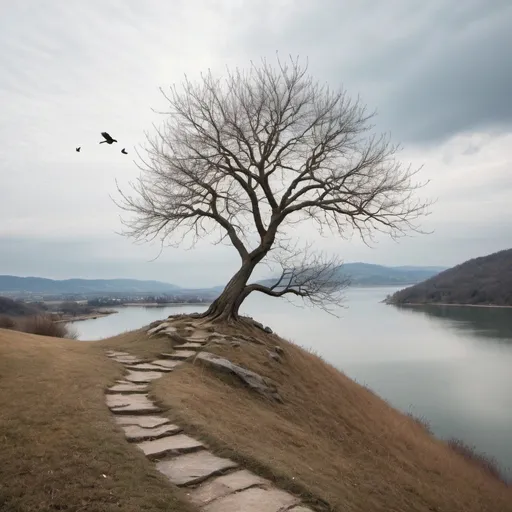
<point>124,151</point>
<point>78,149</point>
<point>108,138</point>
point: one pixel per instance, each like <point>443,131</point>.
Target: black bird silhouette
<point>78,149</point>
<point>108,138</point>
<point>124,151</point>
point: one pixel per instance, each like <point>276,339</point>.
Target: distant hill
<point>367,274</point>
<point>480,281</point>
<point>14,284</point>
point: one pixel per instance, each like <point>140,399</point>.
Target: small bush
<point>422,422</point>
<point>488,464</point>
<point>45,326</point>
<point>7,322</point>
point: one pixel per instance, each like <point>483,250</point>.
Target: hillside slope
<point>486,280</point>
<point>59,446</point>
<point>332,442</point>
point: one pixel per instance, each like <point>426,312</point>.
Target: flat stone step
<point>114,353</point>
<point>166,363</point>
<point>224,485</point>
<point>180,355</point>
<point>194,467</point>
<point>138,434</point>
<point>190,346</point>
<point>253,500</point>
<point>300,508</point>
<point>148,367</point>
<point>139,377</point>
<point>127,359</point>
<point>128,387</point>
<point>134,403</point>
<point>171,445</point>
<point>142,421</point>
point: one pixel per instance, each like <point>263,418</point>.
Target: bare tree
<point>248,157</point>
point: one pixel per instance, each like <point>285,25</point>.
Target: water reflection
<point>477,322</point>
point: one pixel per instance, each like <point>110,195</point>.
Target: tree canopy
<point>249,157</point>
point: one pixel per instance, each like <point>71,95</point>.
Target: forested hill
<point>481,281</point>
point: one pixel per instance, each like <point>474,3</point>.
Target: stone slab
<point>166,363</point>
<point>251,379</point>
<point>180,355</point>
<point>159,327</point>
<point>190,346</point>
<point>224,485</point>
<point>133,403</point>
<point>114,353</point>
<point>136,433</point>
<point>194,467</point>
<point>253,500</point>
<point>300,508</point>
<point>139,377</point>
<point>147,367</point>
<point>176,444</point>
<point>128,387</point>
<point>127,359</point>
<point>142,421</point>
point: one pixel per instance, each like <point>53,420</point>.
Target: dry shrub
<point>422,422</point>
<point>45,326</point>
<point>7,322</point>
<point>489,464</point>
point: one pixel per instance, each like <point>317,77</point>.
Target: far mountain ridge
<point>370,274</point>
<point>360,274</point>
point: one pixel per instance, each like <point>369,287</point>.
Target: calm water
<point>452,365</point>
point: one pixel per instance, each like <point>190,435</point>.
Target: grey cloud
<point>431,69</point>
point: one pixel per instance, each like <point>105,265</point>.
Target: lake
<point>451,365</point>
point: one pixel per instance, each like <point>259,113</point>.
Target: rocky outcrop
<point>252,380</point>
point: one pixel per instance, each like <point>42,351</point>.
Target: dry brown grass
<point>42,324</point>
<point>60,448</point>
<point>471,454</point>
<point>7,322</point>
<point>332,441</point>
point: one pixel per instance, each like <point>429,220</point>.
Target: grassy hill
<point>333,442</point>
<point>486,280</point>
<point>59,447</point>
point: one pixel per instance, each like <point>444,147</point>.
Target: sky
<point>438,73</point>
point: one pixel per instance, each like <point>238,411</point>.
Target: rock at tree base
<point>194,467</point>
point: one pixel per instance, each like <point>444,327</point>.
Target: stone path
<point>213,484</point>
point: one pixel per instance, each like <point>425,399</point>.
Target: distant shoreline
<point>417,304</point>
<point>80,318</point>
<point>164,305</point>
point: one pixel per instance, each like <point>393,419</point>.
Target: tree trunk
<point>225,307</point>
